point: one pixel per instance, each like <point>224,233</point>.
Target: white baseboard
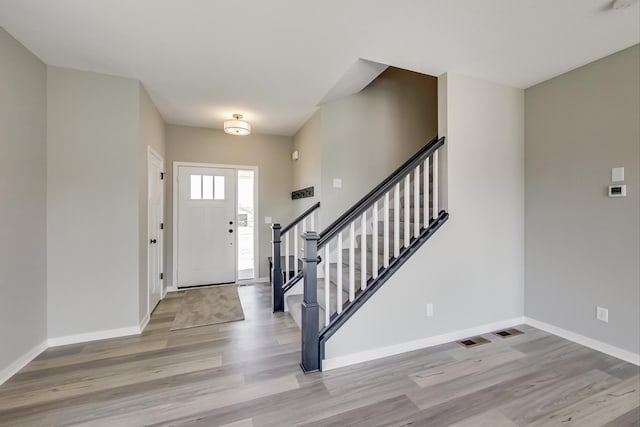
<point>252,281</point>
<point>13,368</point>
<point>378,353</point>
<point>94,336</point>
<point>143,323</point>
<point>605,348</point>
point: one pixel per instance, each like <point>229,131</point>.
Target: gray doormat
<point>208,306</point>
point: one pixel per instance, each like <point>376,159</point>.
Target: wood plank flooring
<point>246,374</point>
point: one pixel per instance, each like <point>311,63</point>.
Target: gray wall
<point>92,202</point>
<point>307,169</point>
<point>472,269</point>
<point>272,155</point>
<point>583,248</point>
<point>152,129</point>
<point>23,290</point>
<point>367,135</point>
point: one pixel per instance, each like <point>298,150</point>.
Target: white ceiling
<point>275,60</point>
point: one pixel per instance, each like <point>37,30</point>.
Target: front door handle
<point>152,241</point>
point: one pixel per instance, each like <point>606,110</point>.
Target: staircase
<point>294,301</point>
<point>358,252</point>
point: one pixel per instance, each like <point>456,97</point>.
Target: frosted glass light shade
<point>237,126</point>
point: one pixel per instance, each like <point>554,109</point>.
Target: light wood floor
<point>246,374</point>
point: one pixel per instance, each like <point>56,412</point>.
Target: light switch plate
<point>267,220</point>
<point>337,183</point>
<point>617,174</point>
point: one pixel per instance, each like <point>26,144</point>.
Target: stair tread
<point>358,256</point>
<point>332,294</point>
<point>294,302</point>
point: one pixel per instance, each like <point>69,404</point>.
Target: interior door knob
<point>152,241</point>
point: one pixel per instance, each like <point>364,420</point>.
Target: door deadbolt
<point>231,230</point>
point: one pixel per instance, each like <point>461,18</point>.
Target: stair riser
<point>333,276</point>
<point>358,258</point>
<point>294,303</point>
<point>392,211</point>
<point>381,241</point>
<point>391,231</point>
<point>411,202</point>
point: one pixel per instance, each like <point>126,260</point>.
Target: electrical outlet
<point>602,314</point>
<point>429,310</point>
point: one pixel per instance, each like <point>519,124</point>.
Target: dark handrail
<point>292,281</point>
<point>300,218</point>
<point>338,225</point>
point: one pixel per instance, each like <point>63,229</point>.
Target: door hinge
<point>161,175</point>
<point>161,226</point>
<point>161,276</point>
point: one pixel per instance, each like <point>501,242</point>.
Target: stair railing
<point>291,235</point>
<point>399,215</point>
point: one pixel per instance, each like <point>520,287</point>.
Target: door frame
<point>163,291</point>
<point>256,215</point>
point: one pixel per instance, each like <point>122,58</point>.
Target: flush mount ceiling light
<point>237,126</point>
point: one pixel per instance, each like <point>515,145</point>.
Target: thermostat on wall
<point>617,191</point>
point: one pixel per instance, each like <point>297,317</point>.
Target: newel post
<point>276,289</point>
<point>310,309</point>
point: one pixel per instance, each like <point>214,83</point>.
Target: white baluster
<point>416,202</point>
<point>339,275</point>
<point>427,206</point>
<point>396,220</point>
<point>312,219</point>
<point>286,257</point>
<point>352,261</point>
<point>363,251</point>
<point>385,231</point>
<point>327,286</point>
<point>374,241</point>
<point>304,225</point>
<point>435,185</point>
<point>407,210</point>
<point>296,237</point>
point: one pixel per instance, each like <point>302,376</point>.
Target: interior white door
<point>206,226</point>
<point>155,208</point>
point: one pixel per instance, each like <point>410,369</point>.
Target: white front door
<point>154,232</point>
<point>206,226</point>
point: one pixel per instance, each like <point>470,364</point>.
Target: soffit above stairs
<point>275,61</point>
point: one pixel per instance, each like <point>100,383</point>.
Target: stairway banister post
<point>310,308</point>
<point>277,279</point>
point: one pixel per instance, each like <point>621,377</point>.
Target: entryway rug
<point>208,306</point>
